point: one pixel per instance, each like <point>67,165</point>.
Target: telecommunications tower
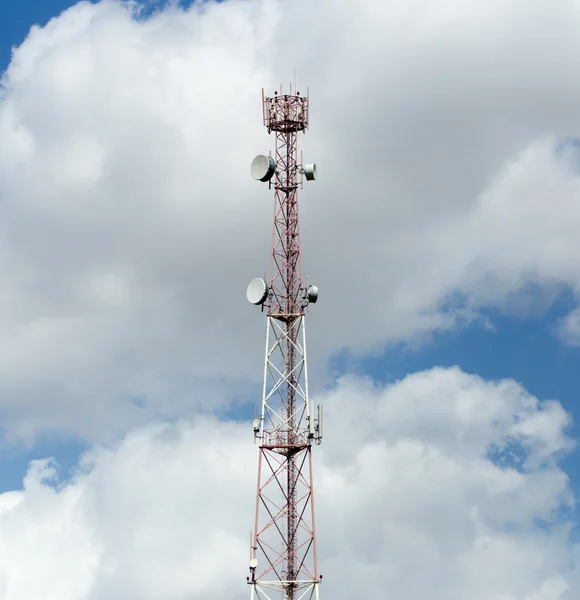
<point>283,544</point>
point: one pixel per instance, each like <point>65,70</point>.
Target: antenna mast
<point>283,551</point>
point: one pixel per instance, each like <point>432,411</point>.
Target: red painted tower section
<point>283,552</point>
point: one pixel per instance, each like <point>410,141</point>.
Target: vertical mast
<point>283,553</point>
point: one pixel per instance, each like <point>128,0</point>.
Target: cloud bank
<point>130,226</point>
<point>441,484</point>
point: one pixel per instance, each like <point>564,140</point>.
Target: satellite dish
<point>263,167</point>
<point>312,294</point>
<point>253,563</point>
<point>256,424</point>
<point>257,291</point>
<point>310,172</point>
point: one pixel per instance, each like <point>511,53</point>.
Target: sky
<point>442,232</point>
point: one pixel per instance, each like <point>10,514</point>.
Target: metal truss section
<point>271,590</point>
<point>284,539</point>
<point>286,115</point>
<point>286,418</point>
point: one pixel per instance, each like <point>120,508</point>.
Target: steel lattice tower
<point>283,549</point>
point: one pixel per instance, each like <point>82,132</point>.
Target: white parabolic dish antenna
<point>257,291</point>
<point>253,563</point>
<point>263,167</point>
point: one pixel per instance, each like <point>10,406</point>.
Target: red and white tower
<point>283,549</point>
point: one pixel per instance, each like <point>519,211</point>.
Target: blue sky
<point>522,349</point>
<point>16,19</point>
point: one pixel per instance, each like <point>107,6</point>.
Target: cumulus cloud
<point>421,491</point>
<point>569,328</point>
<point>129,225</point>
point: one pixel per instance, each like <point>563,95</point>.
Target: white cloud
<point>569,328</point>
<point>129,224</point>
<point>409,503</point>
